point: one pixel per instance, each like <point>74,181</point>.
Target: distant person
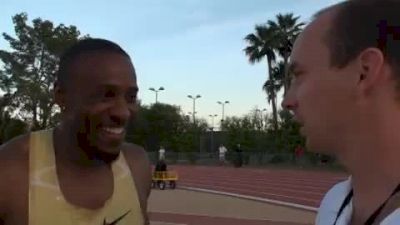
<point>345,93</point>
<point>161,166</point>
<point>222,152</point>
<point>161,153</point>
<point>81,171</point>
<point>238,161</point>
<point>324,159</point>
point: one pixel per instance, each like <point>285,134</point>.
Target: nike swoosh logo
<point>116,220</point>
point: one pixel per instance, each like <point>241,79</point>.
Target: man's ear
<point>370,68</point>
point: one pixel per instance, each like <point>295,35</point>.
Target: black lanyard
<point>344,204</point>
<point>372,218</point>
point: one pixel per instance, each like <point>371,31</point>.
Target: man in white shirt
<point>222,151</point>
<point>161,153</point>
<point>345,93</point>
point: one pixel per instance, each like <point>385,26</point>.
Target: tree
<point>9,127</point>
<point>272,86</point>
<point>163,124</point>
<point>287,28</point>
<point>4,105</point>
<point>246,130</point>
<point>290,131</point>
<point>154,124</point>
<point>30,67</point>
<point>262,44</point>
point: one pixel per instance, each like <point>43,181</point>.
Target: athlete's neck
<point>68,150</point>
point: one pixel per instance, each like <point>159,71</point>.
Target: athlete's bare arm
<point>14,167</point>
<point>141,172</point>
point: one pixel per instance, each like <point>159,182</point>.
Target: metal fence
<point>246,159</point>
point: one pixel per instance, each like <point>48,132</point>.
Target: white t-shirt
<point>332,201</point>
<point>162,153</point>
<point>222,150</point>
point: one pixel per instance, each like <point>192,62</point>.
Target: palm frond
<point>253,53</point>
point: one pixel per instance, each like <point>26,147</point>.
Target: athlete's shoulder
<point>139,164</point>
<point>14,156</point>
<point>133,148</point>
<point>137,158</point>
<point>14,166</point>
<point>16,147</point>
<point>134,152</point>
<point>332,201</point>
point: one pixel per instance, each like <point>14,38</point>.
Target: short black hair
<point>360,24</point>
<point>87,45</point>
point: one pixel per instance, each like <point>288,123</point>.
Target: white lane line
<point>251,192</point>
<point>294,205</point>
<point>272,187</point>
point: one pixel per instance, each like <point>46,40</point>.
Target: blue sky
<point>186,46</point>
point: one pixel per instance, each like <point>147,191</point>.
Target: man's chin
<point>107,155</point>
<point>108,152</point>
<point>99,149</point>
<point>108,146</point>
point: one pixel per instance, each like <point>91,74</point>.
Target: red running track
<point>179,219</point>
<point>293,186</point>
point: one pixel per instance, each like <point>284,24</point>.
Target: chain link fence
<point>252,159</point>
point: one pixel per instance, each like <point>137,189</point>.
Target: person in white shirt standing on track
<point>161,153</point>
<point>345,93</point>
<point>222,151</point>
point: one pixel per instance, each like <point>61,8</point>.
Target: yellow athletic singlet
<point>47,206</point>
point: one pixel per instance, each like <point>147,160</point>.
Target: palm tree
<point>272,86</point>
<point>262,44</point>
<point>278,74</point>
<point>287,28</point>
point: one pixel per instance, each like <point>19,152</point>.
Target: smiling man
<point>82,171</point>
<point>345,94</point>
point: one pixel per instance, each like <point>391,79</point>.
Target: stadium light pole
<point>212,131</point>
<point>194,105</point>
<point>223,103</point>
<point>156,91</point>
